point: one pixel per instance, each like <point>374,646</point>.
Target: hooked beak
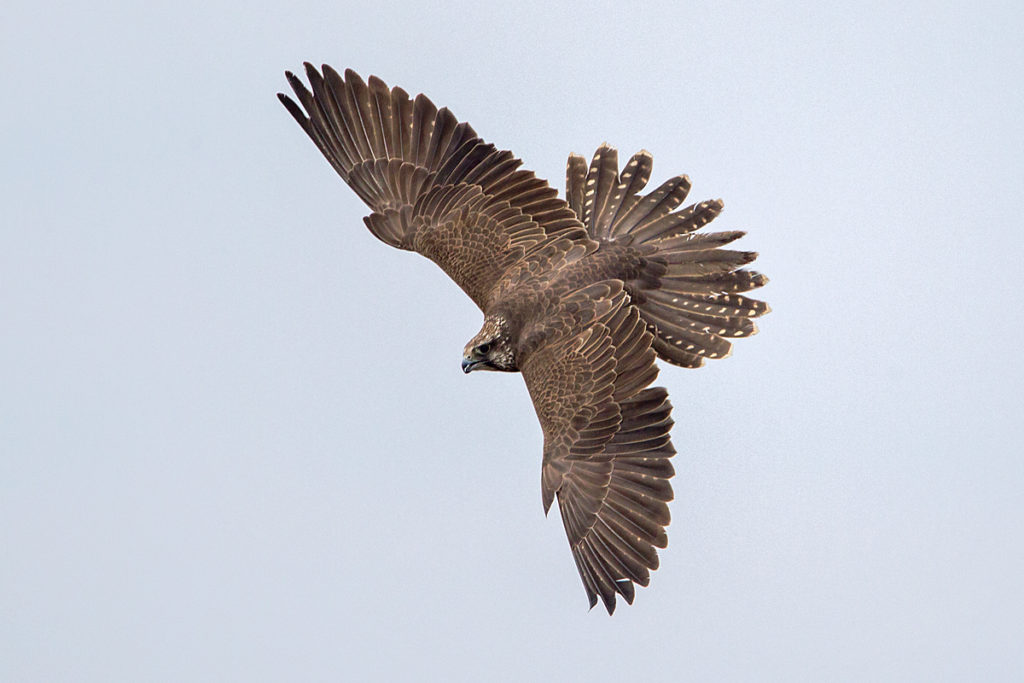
<point>468,365</point>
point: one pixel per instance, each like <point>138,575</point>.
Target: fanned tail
<point>690,296</point>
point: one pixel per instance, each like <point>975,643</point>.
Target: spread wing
<point>606,438</point>
<point>432,184</point>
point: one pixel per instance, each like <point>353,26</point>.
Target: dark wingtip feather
<point>295,110</point>
<point>295,82</point>
<point>610,606</point>
<point>626,590</point>
<point>330,72</point>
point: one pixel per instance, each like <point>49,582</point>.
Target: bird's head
<point>490,349</point>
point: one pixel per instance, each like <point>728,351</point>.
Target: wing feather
<point>384,108</point>
<point>399,155</point>
<point>606,438</point>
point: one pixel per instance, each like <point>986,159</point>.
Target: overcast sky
<point>235,441</point>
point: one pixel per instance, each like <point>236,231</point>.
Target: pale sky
<point>235,440</point>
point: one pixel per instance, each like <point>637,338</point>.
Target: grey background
<point>235,443</point>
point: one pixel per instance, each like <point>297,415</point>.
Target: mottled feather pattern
<point>580,295</point>
<point>473,237</point>
<point>606,442</point>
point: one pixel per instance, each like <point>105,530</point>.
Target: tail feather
<point>575,178</point>
<point>734,326</point>
<point>632,181</point>
<point>652,208</point>
<point>689,335</point>
<point>738,325</point>
<point>681,222</point>
<point>602,179</point>
<point>674,354</point>
<point>725,283</point>
<point>712,304</point>
<point>705,240</point>
<point>688,292</point>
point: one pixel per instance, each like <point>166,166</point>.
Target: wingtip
<point>293,80</point>
<point>610,605</point>
<point>626,590</point>
<point>330,73</point>
<point>351,77</point>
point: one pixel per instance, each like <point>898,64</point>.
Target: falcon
<point>581,295</point>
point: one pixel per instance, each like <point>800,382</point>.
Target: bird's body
<point>532,300</point>
<point>579,295</point>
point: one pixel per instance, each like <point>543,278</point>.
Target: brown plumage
<point>580,296</point>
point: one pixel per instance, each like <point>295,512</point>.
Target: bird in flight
<point>579,295</point>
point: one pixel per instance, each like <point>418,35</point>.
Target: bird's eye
<point>483,349</point>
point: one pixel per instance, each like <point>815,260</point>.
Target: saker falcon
<point>579,295</point>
